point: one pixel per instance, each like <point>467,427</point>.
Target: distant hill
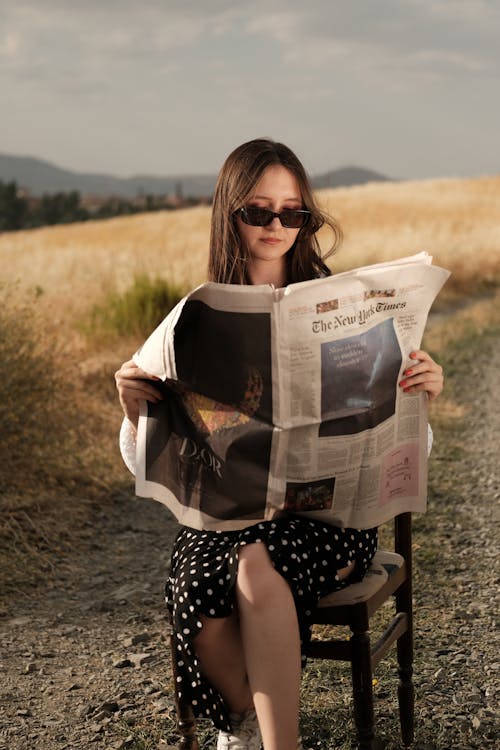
<point>346,176</point>
<point>39,177</point>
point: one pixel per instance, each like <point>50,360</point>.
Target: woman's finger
<point>424,374</point>
<point>129,370</point>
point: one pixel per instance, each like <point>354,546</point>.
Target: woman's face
<point>277,189</point>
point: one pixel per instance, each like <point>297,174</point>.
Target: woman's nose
<point>275,223</point>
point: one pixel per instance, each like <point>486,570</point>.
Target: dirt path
<point>85,656</point>
<point>84,659</point>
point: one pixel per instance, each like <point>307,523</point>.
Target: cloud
<point>116,81</point>
<point>454,36</point>
<point>10,45</point>
<point>282,26</point>
<point>84,38</point>
<point>55,39</point>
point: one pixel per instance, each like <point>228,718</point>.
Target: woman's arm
<point>424,375</point>
<point>133,387</point>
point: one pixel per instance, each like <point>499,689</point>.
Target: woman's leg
<point>256,657</point>
<point>271,644</point>
<point>220,651</point>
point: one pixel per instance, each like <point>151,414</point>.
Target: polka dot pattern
<point>305,552</point>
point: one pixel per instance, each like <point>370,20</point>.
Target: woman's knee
<point>257,578</point>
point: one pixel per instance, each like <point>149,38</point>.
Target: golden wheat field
<point>74,266</point>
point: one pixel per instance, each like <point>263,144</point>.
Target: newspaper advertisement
<point>287,400</point>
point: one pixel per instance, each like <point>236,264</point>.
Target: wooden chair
<point>389,575</point>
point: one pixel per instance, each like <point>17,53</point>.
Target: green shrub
<point>137,311</point>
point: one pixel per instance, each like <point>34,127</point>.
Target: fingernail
<point>402,384</point>
<point>408,372</point>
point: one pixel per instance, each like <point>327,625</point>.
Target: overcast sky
<point>406,87</point>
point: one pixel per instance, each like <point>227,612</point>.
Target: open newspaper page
<point>287,400</point>
<point>205,450</point>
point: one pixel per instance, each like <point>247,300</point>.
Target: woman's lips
<point>271,240</point>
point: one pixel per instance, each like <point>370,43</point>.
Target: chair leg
<point>186,723</point>
<point>406,692</point>
<point>362,688</point>
<point>404,603</point>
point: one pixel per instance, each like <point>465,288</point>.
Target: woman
<point>241,600</point>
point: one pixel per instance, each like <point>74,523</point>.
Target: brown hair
<point>240,173</point>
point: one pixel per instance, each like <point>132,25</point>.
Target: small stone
<point>101,716</point>
<point>109,707</point>
<point>122,663</point>
<point>151,690</point>
<point>124,695</point>
<point>24,712</point>
<point>126,742</point>
<point>134,640</point>
<point>139,660</point>
<point>30,667</point>
<point>161,705</point>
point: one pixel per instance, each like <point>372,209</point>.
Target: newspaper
<point>287,400</point>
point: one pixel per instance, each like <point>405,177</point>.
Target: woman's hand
<point>424,375</point>
<point>133,387</point>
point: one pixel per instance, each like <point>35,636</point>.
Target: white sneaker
<point>244,735</point>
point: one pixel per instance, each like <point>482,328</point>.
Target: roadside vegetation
<point>137,311</point>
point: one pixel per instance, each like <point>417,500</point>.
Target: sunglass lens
<point>257,217</point>
<point>261,217</point>
<point>292,219</point>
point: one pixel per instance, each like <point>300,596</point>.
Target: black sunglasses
<point>290,218</point>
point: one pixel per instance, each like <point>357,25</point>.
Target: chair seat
<point>383,564</point>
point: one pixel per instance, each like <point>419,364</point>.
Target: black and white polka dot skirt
<point>305,552</point>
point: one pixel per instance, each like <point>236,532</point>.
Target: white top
<point>128,443</point>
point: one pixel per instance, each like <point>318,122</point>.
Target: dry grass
<point>458,221</point>
<point>78,265</point>
<point>453,341</point>
<point>58,453</point>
